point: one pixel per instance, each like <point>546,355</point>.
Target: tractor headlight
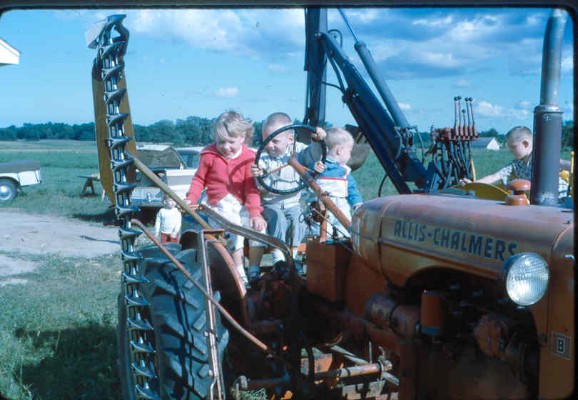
<point>525,278</point>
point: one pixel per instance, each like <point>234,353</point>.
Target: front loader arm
<point>389,142</point>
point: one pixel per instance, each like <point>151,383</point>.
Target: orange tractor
<point>438,293</point>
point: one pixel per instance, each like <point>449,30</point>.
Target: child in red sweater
<point>225,172</point>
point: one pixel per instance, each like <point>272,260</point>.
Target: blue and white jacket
<point>339,183</point>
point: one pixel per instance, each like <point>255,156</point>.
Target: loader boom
<point>382,121</point>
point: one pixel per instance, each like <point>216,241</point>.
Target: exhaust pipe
<point>548,117</point>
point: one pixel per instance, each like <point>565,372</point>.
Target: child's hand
<point>192,206</point>
<point>256,171</point>
<point>319,167</point>
<point>319,135</point>
<point>257,223</point>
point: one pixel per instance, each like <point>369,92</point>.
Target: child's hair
<point>276,120</point>
<point>518,133</point>
<point>231,124</point>
<point>338,136</point>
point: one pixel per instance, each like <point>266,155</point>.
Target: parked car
<point>190,155</point>
<point>176,167</point>
<point>16,174</point>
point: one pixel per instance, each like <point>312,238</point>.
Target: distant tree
<point>425,139</point>
<point>61,131</point>
<point>141,133</point>
<point>257,135</point>
<point>84,131</point>
<point>164,131</point>
<point>489,133</point>
<point>10,133</point>
<point>568,134</point>
<point>196,131</point>
<point>29,132</point>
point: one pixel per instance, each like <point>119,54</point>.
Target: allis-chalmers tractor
<point>440,292</point>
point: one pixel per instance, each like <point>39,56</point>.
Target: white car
<point>176,167</point>
<point>16,174</point>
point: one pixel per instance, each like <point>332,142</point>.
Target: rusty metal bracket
<point>216,390</point>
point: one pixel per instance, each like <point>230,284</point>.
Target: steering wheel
<point>301,184</point>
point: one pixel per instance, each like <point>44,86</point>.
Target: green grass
<point>370,175</point>
<point>57,332</point>
<point>57,335</point>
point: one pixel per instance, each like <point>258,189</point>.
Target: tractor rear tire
<point>177,312</point>
<point>7,190</point>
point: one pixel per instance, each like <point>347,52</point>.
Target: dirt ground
<point>27,234</point>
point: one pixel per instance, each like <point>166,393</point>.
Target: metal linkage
<point>110,39</point>
<point>451,147</point>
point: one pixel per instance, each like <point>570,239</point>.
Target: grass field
<point>57,331</point>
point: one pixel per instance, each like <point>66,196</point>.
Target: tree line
<point>192,131</point>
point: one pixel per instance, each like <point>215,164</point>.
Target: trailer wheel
<point>177,312</point>
<point>7,190</point>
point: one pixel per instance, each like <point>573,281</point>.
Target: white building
<point>487,143</point>
<point>8,54</point>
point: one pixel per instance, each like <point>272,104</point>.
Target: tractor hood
<point>404,235</point>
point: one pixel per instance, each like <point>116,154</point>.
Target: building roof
<point>8,54</point>
<point>483,142</point>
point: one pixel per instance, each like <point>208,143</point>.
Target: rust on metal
<point>326,269</point>
<point>432,312</point>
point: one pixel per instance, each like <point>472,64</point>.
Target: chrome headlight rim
<point>515,269</point>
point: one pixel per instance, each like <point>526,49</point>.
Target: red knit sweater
<point>221,176</point>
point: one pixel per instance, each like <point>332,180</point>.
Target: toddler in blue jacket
<point>336,178</point>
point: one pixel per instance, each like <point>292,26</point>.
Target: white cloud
<point>452,43</point>
<point>434,22</point>
<point>362,16</point>
<point>463,84</point>
<point>535,20</point>
<point>567,64</point>
<point>383,51</point>
<point>568,109</point>
<point>237,31</point>
<point>487,109</point>
<point>277,68</point>
<point>227,92</point>
<point>209,29</point>
<point>69,15</point>
<point>441,59</point>
<point>405,106</point>
<point>525,104</point>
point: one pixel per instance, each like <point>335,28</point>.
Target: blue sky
<point>202,62</point>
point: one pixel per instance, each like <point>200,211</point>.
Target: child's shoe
<point>253,274</point>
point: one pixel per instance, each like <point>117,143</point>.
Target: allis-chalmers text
<point>470,243</point>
